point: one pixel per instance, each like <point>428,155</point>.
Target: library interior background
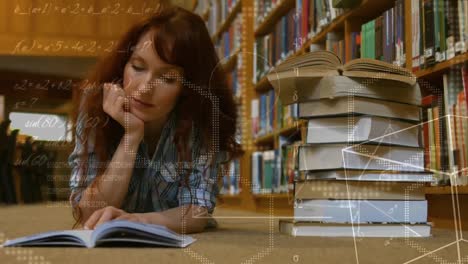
<point>352,117</point>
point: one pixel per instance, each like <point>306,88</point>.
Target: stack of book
<point>362,162</point>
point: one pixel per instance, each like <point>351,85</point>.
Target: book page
<point>318,59</point>
<point>368,68</point>
<point>160,234</point>
<point>75,237</point>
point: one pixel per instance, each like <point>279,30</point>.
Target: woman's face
<point>152,85</point>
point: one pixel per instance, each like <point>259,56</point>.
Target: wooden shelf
<point>266,139</point>
<point>206,14</point>
<point>286,196</point>
<point>231,63</point>
<point>270,20</point>
<point>230,200</point>
<point>442,67</point>
<point>226,23</point>
<point>285,131</point>
<point>446,189</point>
<point>230,196</point>
<point>238,100</point>
<point>263,85</point>
<point>337,23</point>
<point>194,5</point>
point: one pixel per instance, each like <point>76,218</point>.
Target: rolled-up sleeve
<point>202,186</point>
<point>74,161</point>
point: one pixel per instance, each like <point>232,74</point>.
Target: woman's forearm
<point>113,184</point>
<point>180,219</point>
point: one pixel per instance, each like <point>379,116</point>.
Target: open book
<point>325,63</point>
<point>119,233</point>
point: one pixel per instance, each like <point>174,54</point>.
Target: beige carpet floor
<point>242,237</point>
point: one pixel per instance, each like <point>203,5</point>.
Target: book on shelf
<point>219,11</point>
<point>263,168</point>
<point>269,115</point>
<point>439,31</point>
<point>234,82</point>
<point>445,122</point>
<point>456,118</point>
<point>302,228</point>
<point>383,37</point>
<point>274,171</point>
<point>291,31</point>
<point>435,141</point>
<point>231,181</point>
<point>428,138</point>
<point>266,173</point>
<point>121,233</point>
<point>285,115</point>
<point>363,129</point>
<point>263,114</point>
<point>356,43</point>
<point>335,43</point>
<point>353,106</point>
<point>452,87</point>
<point>325,13</point>
<point>230,40</point>
<point>360,156</point>
<point>361,210</point>
<point>275,46</point>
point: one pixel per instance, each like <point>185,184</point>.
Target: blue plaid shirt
<point>155,184</point>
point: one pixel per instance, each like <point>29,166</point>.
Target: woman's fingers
<point>102,216</point>
<point>126,104</point>
<point>113,101</point>
<point>92,220</point>
<point>107,215</point>
<point>117,105</point>
<point>119,108</point>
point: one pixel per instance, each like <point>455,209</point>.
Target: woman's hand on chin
<point>111,213</point>
<point>117,105</point>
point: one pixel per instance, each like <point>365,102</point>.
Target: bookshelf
<point>231,62</point>
<point>349,21</point>
<point>441,67</point>
<point>277,12</point>
<point>226,23</point>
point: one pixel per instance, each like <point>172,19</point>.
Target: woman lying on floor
<point>155,121</point>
